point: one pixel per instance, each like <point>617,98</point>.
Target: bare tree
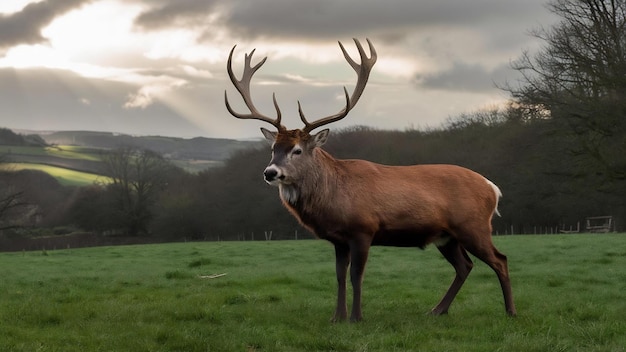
<point>12,203</point>
<point>138,176</point>
<point>579,79</point>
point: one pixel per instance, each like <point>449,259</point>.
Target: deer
<point>356,204</point>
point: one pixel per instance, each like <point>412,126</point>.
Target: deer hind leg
<point>457,256</point>
<point>483,249</point>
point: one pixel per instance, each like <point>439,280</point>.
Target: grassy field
<point>66,177</point>
<point>47,157</point>
<point>279,296</point>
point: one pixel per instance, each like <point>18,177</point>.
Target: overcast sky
<point>158,67</point>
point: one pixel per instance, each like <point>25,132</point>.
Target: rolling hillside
<point>66,177</point>
<point>200,148</point>
<point>82,151</point>
<point>68,157</point>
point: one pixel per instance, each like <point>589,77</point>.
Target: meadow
<point>66,177</point>
<point>61,162</point>
<point>279,296</point>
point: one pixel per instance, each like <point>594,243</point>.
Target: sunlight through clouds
<point>93,29</point>
<point>181,44</point>
<point>150,57</point>
<point>158,88</point>
<point>80,41</point>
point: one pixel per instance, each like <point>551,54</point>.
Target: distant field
<point>61,162</point>
<point>279,296</point>
<point>62,151</point>
<point>76,156</point>
<point>64,176</point>
<point>75,152</point>
<point>195,166</point>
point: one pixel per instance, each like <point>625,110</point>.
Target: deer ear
<point>269,135</point>
<point>321,137</point>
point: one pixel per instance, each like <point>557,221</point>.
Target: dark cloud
<point>24,27</point>
<point>465,77</point>
<point>167,14</point>
<point>323,19</point>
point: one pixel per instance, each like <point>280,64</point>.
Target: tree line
<point>545,185</point>
<point>557,151</point>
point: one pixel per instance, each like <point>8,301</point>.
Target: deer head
<point>292,149</point>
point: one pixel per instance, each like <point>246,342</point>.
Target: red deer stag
<point>355,204</point>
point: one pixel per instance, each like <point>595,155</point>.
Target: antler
<point>243,86</point>
<point>363,72</point>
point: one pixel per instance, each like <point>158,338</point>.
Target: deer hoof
<point>438,312</point>
<point>337,319</point>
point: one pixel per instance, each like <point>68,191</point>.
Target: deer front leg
<point>359,250</point>
<point>342,261</point>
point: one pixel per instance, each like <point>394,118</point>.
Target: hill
<point>199,148</point>
<point>81,150</point>
<point>65,176</point>
<point>68,157</point>
<point>8,137</point>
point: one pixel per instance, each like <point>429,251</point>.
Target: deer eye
<point>297,151</point>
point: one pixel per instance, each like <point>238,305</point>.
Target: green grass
<point>279,296</point>
<point>75,152</point>
<point>66,177</point>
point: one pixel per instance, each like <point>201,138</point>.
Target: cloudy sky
<point>158,67</point>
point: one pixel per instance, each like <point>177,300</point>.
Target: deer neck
<point>318,183</point>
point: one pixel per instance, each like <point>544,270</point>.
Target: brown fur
<point>356,203</point>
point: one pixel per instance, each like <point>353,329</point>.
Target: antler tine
<point>243,87</point>
<point>311,126</point>
<point>362,70</point>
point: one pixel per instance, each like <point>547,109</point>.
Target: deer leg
<point>457,256</point>
<point>359,250</point>
<point>488,253</point>
<point>342,261</point>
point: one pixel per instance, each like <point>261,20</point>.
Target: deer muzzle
<point>273,175</point>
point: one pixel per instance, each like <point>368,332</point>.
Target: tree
<point>138,176</point>
<point>12,201</point>
<point>11,206</point>
<point>579,80</point>
<point>92,208</point>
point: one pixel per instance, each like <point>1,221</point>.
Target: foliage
<point>540,182</point>
<point>579,79</point>
<point>12,206</point>
<point>137,177</point>
<point>40,198</point>
<point>8,137</point>
<point>278,296</point>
